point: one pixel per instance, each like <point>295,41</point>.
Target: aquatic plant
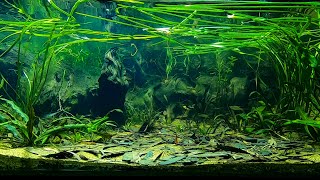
<point>92,127</point>
<point>16,121</point>
<point>224,71</point>
<point>13,119</point>
<point>284,33</point>
<point>143,117</point>
<point>28,95</point>
<point>307,122</point>
<point>296,69</point>
<point>170,62</point>
<point>294,56</point>
<point>58,35</point>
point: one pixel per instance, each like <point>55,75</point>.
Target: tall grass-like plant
<point>296,64</point>
<point>29,88</point>
<point>58,35</point>
<point>28,94</point>
<point>189,29</point>
<point>287,33</point>
<point>296,71</point>
<point>170,62</point>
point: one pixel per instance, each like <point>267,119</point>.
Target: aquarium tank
<point>160,87</point>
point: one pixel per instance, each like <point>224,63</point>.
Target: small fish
<point>50,115</point>
<point>165,30</point>
<point>76,36</point>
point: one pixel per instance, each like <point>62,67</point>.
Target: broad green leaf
<point>17,109</point>
<point>313,61</point>
<point>236,108</point>
<point>14,131</point>
<point>172,160</point>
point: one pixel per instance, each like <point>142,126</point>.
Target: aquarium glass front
<point>159,87</point>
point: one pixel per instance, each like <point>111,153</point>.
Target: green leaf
<point>172,160</point>
<point>14,131</point>
<point>260,109</point>
<point>249,129</point>
<point>261,131</point>
<point>2,83</point>
<point>17,109</point>
<point>308,132</point>
<point>313,61</point>
<point>2,118</point>
<point>236,108</point>
<point>310,122</point>
<point>147,162</point>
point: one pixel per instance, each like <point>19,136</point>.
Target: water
<point>171,82</point>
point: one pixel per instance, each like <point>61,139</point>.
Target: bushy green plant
<point>311,126</point>
<point>13,120</point>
